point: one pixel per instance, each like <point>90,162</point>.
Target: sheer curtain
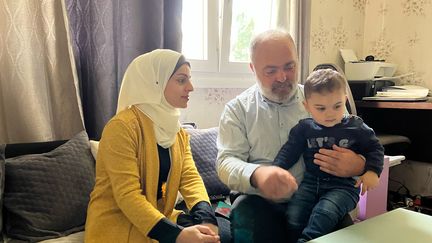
<point>294,16</point>
<point>38,94</point>
<point>106,36</point>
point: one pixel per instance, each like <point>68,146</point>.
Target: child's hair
<point>324,80</point>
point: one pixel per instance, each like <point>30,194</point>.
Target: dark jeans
<point>186,220</point>
<point>319,204</point>
<point>255,219</point>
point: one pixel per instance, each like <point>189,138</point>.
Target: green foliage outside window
<point>240,49</point>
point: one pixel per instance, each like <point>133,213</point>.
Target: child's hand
<point>369,179</point>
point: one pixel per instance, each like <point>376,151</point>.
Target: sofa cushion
<point>204,152</point>
<point>2,175</point>
<point>46,195</point>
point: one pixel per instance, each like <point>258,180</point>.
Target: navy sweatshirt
<point>307,137</point>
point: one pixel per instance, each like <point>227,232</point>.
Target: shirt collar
<point>294,99</point>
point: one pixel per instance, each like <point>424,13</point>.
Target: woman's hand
<point>339,161</point>
<point>197,233</point>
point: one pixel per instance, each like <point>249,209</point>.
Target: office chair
<point>393,144</point>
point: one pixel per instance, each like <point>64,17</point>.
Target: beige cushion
<point>94,146</point>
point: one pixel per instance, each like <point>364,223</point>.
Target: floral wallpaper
<point>403,38</point>
<point>206,105</point>
<point>335,24</point>
<point>394,30</point>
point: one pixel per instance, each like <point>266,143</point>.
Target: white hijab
<point>143,85</point>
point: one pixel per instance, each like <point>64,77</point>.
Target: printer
<point>366,77</point>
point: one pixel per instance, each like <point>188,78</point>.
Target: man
<point>253,127</point>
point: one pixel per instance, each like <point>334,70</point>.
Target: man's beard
<point>279,92</point>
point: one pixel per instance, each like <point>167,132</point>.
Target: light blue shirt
<point>252,130</point>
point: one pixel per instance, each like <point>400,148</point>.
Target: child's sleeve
<point>373,151</point>
<point>291,151</point>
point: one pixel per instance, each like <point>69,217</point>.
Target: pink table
<point>374,202</point>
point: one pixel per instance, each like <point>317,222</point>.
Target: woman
<point>144,160</point>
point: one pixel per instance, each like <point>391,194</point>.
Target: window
<point>200,38</point>
<point>216,33</point>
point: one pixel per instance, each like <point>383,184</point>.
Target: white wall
<point>395,30</point>
<point>206,105</point>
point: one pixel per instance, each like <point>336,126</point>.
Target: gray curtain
<point>106,36</point>
<point>294,16</point>
<point>299,12</point>
<point>303,17</point>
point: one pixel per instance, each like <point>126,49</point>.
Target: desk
<point>411,119</point>
<point>418,105</point>
<point>399,225</point>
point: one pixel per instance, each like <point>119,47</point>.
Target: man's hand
<point>274,182</point>
<point>339,161</point>
<point>197,233</point>
<point>213,228</point>
<point>369,180</point>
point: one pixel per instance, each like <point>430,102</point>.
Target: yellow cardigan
<point>123,205</point>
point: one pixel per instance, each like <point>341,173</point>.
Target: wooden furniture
<point>411,119</point>
<point>418,105</point>
<point>399,225</point>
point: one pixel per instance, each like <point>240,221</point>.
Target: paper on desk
<point>395,160</point>
<point>405,91</point>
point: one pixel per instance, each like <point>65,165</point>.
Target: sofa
<point>45,186</point>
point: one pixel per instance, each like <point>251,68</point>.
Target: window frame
<point>218,71</point>
<point>211,64</point>
<point>225,65</point>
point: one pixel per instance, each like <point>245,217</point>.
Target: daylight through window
<point>216,33</point>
